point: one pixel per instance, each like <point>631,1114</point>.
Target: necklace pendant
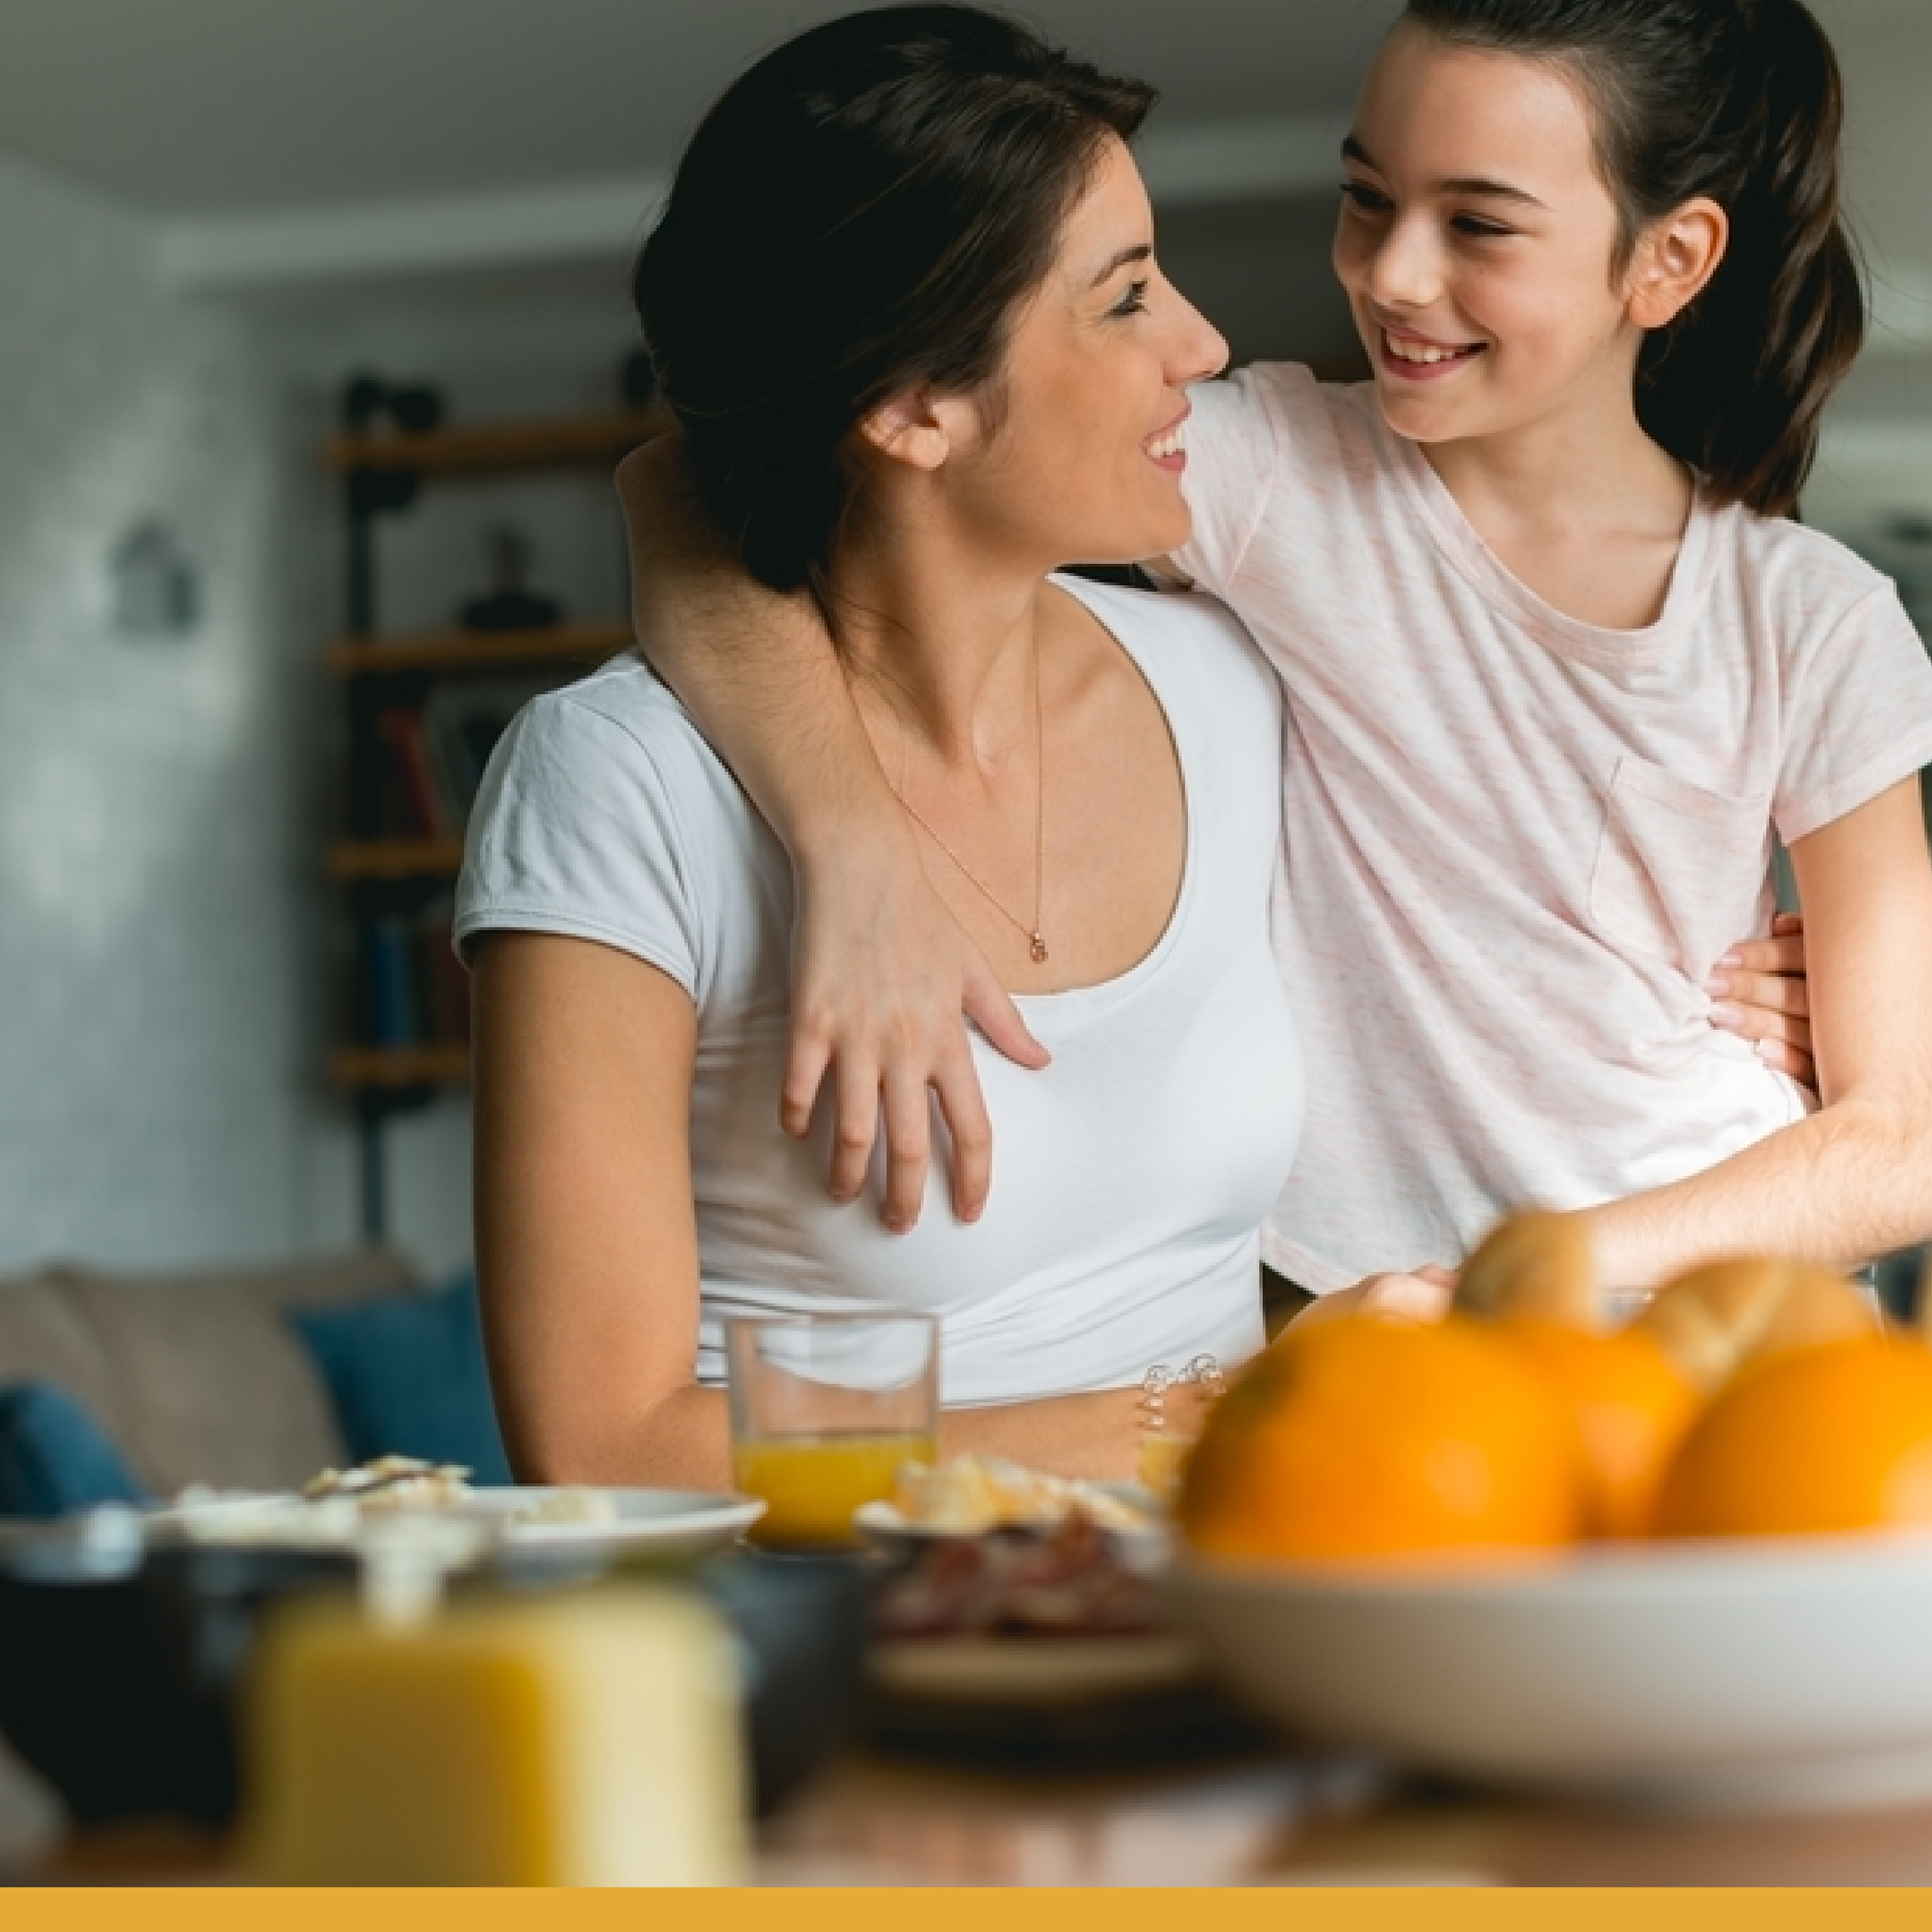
<point>1038,950</point>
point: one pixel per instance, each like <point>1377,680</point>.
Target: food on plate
<point>1629,1404</point>
<point>1836,1435</point>
<point>554,1506</point>
<point>1365,1437</point>
<point>968,1495</point>
<point>393,1482</point>
<point>1063,1578</point>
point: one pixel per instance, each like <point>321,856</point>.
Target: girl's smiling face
<point>1478,244</point>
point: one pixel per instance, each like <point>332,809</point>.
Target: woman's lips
<point>1168,449</point>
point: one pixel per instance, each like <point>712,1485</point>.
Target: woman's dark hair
<point>1738,100</point>
<point>861,213</point>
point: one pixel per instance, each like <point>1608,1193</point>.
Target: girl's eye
<point>1363,199</point>
<point>1134,302</point>
<point>1476,227</point>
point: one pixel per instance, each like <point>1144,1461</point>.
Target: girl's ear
<point>912,429</point>
<point>1674,261</point>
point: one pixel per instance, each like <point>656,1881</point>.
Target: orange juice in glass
<point>825,1409</point>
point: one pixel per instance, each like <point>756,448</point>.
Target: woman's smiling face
<point>1077,453</point>
<point>1478,243</point>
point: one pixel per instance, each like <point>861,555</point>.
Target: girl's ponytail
<point>1741,101</point>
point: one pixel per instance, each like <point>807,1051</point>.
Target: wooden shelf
<point>455,651</point>
<point>446,1063</point>
<point>484,447</point>
<point>353,858</point>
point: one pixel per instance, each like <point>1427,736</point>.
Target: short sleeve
<point>1858,718</point>
<point>574,832</point>
<point>1233,454</point>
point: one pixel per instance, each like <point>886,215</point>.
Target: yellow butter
<point>589,1738</point>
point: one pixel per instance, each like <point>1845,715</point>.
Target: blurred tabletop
<point>1294,1822</point>
<point>1260,1821</point>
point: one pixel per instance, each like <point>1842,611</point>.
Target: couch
<point>196,1376</point>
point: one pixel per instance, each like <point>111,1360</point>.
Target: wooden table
<point>1293,1821</point>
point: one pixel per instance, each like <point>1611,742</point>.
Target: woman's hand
<point>882,974</point>
<point>1762,994</point>
<point>1422,1294</point>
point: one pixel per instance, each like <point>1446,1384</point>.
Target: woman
<point>905,302</point>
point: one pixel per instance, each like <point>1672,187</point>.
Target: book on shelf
<point>415,991</point>
<point>436,753</point>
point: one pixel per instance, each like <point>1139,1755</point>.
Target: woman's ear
<point>911,429</point>
<point>1674,262</point>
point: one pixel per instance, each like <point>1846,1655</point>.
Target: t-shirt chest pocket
<point>1679,869</point>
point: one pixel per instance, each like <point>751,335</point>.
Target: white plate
<point>665,1521</point>
<point>1785,1674</point>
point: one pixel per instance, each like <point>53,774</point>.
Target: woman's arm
<point>1854,1180</point>
<point>587,1250</point>
<point>882,972</point>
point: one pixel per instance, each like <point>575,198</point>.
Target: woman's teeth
<point>1171,444</point>
<point>1423,353</point>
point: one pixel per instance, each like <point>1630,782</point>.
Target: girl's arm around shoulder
<point>882,974</point>
<point>1854,1180</point>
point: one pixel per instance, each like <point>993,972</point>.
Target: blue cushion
<point>407,1377</point>
<point>55,1457</point>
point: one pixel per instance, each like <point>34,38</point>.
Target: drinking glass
<point>825,1410</point>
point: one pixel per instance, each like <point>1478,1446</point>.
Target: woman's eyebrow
<point>1142,251</point>
<point>1352,150</point>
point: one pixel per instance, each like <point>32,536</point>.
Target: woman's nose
<point>1197,349</point>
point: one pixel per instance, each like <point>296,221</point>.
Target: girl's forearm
<point>1840,1187</point>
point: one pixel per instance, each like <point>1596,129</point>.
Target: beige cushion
<point>45,1336</point>
<point>197,1376</point>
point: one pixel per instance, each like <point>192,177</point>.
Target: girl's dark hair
<point>861,213</point>
<point>1738,100</point>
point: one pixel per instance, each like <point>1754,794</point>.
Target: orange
<point>1834,1437</point>
<point>1631,1406</point>
<point>1360,1437</point>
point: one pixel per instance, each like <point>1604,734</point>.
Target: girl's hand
<point>1423,1295</point>
<point>881,976</point>
<point>1762,994</point>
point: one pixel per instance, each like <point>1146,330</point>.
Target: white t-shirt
<point>1516,845</point>
<point>1131,1176</point>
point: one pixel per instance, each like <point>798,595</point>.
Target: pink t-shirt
<point>1516,845</point>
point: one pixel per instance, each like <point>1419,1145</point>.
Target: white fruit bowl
<point>1773,1675</point>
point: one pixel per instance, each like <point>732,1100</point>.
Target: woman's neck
<point>942,641</point>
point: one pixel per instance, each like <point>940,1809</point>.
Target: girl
<point>1558,666</point>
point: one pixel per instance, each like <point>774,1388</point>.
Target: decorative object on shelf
<point>153,588</point>
<point>511,605</point>
<point>414,408</point>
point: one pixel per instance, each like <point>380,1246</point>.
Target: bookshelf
<point>421,711</point>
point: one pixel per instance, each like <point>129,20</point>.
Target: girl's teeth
<point>1168,445</point>
<point>1420,352</point>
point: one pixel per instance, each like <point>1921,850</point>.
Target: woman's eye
<point>1134,302</point>
<point>1365,199</point>
<point>1478,229</point>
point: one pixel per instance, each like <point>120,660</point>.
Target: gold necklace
<point>1037,946</point>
